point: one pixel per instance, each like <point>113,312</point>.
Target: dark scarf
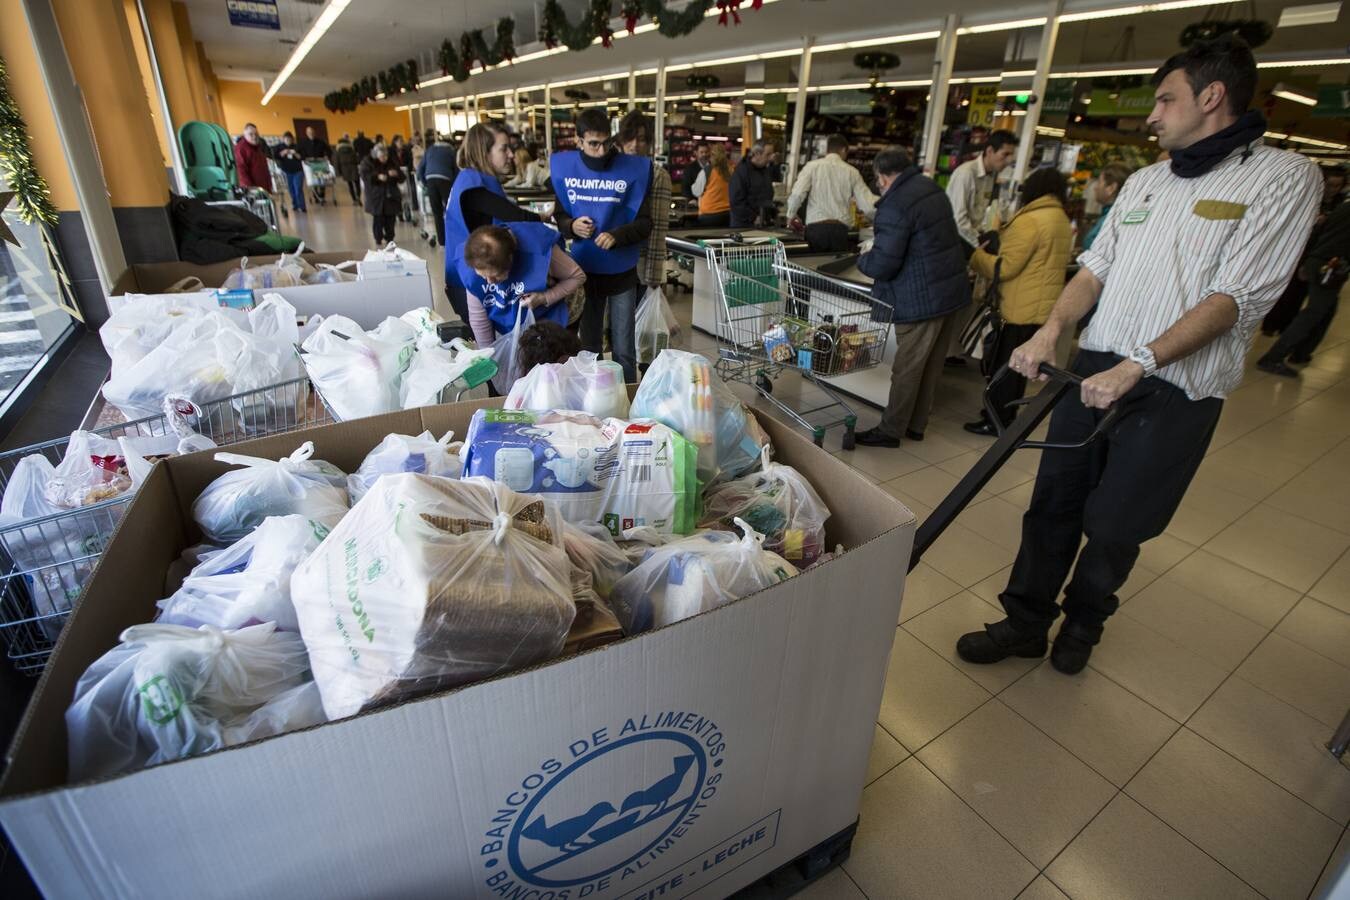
<point>603,163</point>
<point>1206,153</point>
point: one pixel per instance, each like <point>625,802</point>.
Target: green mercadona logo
<point>160,700</point>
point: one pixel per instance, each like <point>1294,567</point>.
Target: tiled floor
<point>1187,760</point>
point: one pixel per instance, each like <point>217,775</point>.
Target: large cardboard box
<point>367,303</point>
<point>739,737</point>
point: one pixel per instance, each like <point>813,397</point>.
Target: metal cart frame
<point>776,315</point>
<point>46,561</point>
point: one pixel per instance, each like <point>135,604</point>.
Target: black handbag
<point>986,326</point>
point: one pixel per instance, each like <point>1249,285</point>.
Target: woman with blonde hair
<point>477,199</point>
<point>529,174</point>
<point>714,204</point>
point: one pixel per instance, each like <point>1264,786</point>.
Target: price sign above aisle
<point>254,14</point>
<point>983,102</point>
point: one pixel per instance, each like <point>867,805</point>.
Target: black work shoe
<point>1277,368</point>
<point>1300,359</point>
<point>1070,652</point>
<point>982,427</point>
<point>955,362</point>
<point>912,435</point>
<point>873,437</point>
<point>997,642</point>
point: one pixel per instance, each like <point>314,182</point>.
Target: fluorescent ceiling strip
<point>1291,63</point>
<point>877,42</point>
<point>1001,26</point>
<point>316,31</point>
<point>1287,94</point>
<point>1313,14</point>
<point>1312,142</point>
<point>1137,9</point>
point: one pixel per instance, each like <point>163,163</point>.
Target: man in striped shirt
<point>1194,252</point>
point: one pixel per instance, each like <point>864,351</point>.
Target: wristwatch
<point>1144,356</point>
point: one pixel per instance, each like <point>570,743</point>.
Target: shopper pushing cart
<point>314,149</point>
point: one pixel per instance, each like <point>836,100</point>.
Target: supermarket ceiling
<point>370,36</point>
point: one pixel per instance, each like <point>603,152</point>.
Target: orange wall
<point>28,91</point>
<point>243,104</point>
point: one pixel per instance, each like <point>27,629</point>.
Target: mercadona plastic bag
<point>400,453</point>
<point>249,581</point>
<point>652,325</point>
<point>506,351</point>
<point>776,501</point>
<point>169,692</point>
<point>696,574</point>
<point>584,382</point>
<point>356,373</point>
<point>681,390</point>
<point>430,583</point>
<point>237,502</point>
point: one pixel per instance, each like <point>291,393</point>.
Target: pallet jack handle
<point>1010,439</point>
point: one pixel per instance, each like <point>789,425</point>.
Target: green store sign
<point>1107,103</point>
<point>1333,102</point>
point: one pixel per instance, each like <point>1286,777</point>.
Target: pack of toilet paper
<point>618,473</point>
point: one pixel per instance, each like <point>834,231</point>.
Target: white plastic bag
<point>390,252</point>
<point>776,501</point>
<point>430,583</point>
<point>696,574</point>
<point>140,324</point>
<point>593,550</point>
<point>584,382</point>
<point>283,273</point>
<point>655,326</point>
<point>620,474</point>
<point>327,273</point>
<point>431,370</point>
<point>238,501</point>
<point>681,390</point>
<point>92,470</point>
<point>506,351</point>
<point>169,692</point>
<point>356,373</point>
<point>399,453</point>
<point>249,581</point>
<point>198,360</point>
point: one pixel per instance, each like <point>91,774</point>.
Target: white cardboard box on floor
<point>728,744</point>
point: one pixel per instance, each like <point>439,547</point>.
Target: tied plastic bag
<point>284,273</point>
<point>400,453</point>
<point>681,390</point>
<point>269,360</point>
<point>430,583</point>
<point>169,692</point>
<point>592,549</point>
<point>595,624</point>
<point>506,351</point>
<point>238,501</point>
<point>655,326</point>
<point>327,273</point>
<point>390,252</point>
<point>92,470</point>
<point>696,574</point>
<point>610,471</point>
<point>248,582</point>
<point>356,373</point>
<point>585,383</point>
<point>776,501</point>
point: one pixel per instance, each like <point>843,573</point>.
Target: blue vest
<point>529,274</point>
<point>456,232</point>
<point>611,198</point>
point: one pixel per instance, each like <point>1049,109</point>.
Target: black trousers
<point>1119,491</point>
<point>1012,385</point>
<point>1306,331</point>
<point>828,237</point>
<point>1287,307</point>
<point>458,299</point>
<point>383,228</point>
<point>438,191</point>
<point>715,220</point>
<point>354,187</point>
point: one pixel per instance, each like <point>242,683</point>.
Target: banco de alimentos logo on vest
<point>603,814</point>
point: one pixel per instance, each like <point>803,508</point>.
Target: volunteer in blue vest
<point>508,266</point>
<point>604,207</point>
<point>477,199</point>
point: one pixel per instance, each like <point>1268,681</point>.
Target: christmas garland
<point>394,80</point>
<point>556,30</point>
<point>16,161</point>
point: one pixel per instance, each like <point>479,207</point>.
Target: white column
<point>659,129</point>
<point>632,88</point>
<point>548,119</point>
<point>175,153</point>
<point>1039,82</point>
<point>77,140</point>
<point>943,60</point>
<point>799,112</point>
<point>515,108</point>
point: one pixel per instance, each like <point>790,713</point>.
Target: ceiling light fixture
<point>877,42</point>
<point>1136,10</point>
<point>316,32</point>
<point>1001,26</point>
<point>1299,63</point>
<point>1284,92</point>
<point>1313,14</point>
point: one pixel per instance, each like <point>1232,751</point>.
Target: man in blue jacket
<point>918,268</point>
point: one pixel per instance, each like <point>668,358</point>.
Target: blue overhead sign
<point>254,14</point>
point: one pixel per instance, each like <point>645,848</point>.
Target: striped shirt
<point>1171,242</point>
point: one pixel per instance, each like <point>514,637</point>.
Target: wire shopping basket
<point>774,315</point>
<point>46,561</point>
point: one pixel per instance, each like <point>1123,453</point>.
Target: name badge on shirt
<point>1135,217</point>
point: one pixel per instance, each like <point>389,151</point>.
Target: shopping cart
<point>428,232</point>
<point>479,373</point>
<point>319,176</point>
<point>279,186</point>
<point>775,315</point>
<point>46,561</point>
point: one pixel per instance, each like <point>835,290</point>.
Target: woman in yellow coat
<point>1032,252</point>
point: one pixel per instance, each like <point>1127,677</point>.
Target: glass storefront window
<point>34,309</point>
